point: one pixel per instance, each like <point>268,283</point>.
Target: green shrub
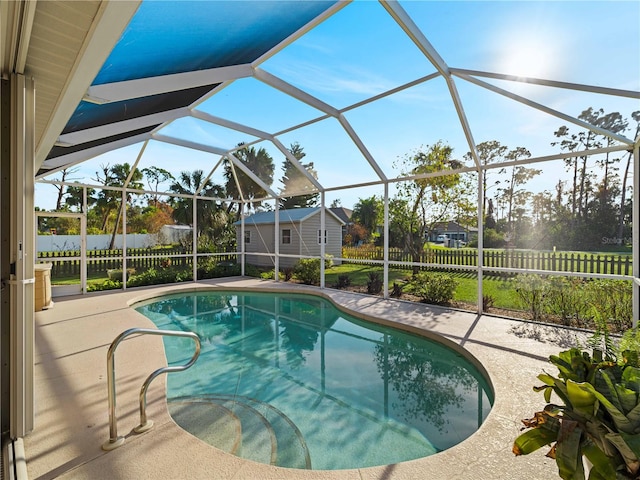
<point>630,341</point>
<point>268,275</point>
<point>116,274</point>
<point>252,271</point>
<point>610,302</point>
<point>287,273</point>
<point>374,284</point>
<point>396,290</point>
<point>432,287</point>
<point>307,271</point>
<point>531,290</point>
<point>328,261</point>
<point>564,297</point>
<point>491,239</point>
<point>343,281</point>
<point>106,285</point>
<point>594,414</point>
<point>161,276</point>
<point>212,268</point>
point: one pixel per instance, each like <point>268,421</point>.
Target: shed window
<point>320,239</point>
<point>286,235</point>
<point>247,236</point>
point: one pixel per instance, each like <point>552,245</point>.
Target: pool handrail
<point>114,440</point>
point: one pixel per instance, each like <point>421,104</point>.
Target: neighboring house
<point>343,214</point>
<point>299,234</point>
<point>452,231</point>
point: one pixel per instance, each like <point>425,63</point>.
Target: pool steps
<point>242,426</point>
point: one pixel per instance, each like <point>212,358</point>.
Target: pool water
<point>290,380</point>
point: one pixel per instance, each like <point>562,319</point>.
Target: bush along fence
<point>100,261</point>
<point>527,260</point>
<point>604,304</point>
<point>208,267</point>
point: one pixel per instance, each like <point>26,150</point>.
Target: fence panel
<point>529,260</point>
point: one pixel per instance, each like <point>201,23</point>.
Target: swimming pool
<point>290,380</point>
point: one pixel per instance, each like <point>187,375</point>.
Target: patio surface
<point>72,418</point>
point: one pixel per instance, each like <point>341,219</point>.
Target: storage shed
<point>298,235</point>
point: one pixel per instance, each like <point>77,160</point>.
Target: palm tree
<point>260,163</point>
<point>211,216</point>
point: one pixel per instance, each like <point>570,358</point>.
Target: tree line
<point>147,213</point>
<point>591,209</point>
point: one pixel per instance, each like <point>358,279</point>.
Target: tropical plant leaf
<point>633,442</point>
<point>598,419</point>
<point>566,362</point>
<point>621,422</point>
<point>615,394</point>
<point>600,462</point>
<point>631,377</point>
<point>630,458</point>
<point>582,399</point>
<point>568,451</point>
<point>546,379</point>
<point>634,418</point>
<point>630,357</point>
<point>547,394</point>
<point>532,440</point>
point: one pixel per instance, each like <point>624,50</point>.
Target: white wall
<point>57,243</point>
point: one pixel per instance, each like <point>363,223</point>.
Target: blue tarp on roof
<point>176,37</point>
<point>185,36</point>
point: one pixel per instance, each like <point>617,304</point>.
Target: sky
<point>361,51</point>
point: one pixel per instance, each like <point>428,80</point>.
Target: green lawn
<point>500,289</point>
<point>497,287</point>
<point>73,280</point>
<point>359,273</point>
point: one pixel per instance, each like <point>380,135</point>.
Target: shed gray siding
<point>304,240</point>
<point>261,241</point>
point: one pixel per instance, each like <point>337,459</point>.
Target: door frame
<point>63,290</point>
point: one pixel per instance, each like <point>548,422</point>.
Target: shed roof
<point>294,215</point>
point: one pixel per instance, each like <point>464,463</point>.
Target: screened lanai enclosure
<point>493,142</point>
<point>194,123</point>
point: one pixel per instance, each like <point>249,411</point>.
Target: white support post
<point>636,234</point>
<point>123,206</point>
<point>83,243</point>
<point>242,242</point>
<point>385,232</point>
<point>21,253</point>
<point>480,241</point>
<point>276,243</point>
<point>194,238</point>
<point>322,238</point>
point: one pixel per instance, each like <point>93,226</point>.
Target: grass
<point>73,280</point>
<point>499,288</point>
<point>359,273</point>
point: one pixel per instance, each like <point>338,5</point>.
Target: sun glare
<point>526,60</point>
<point>527,52</point>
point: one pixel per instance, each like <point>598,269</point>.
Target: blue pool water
<point>290,380</point>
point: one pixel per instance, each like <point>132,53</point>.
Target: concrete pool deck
<point>72,418</point>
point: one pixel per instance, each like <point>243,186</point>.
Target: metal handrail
<point>115,441</point>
